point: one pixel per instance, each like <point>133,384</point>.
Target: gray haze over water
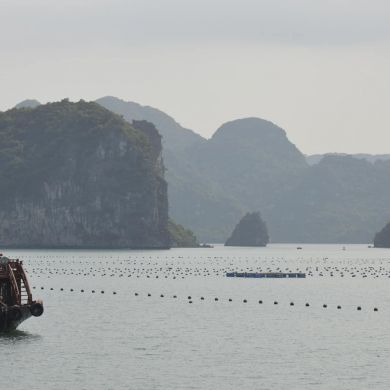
<point>318,69</point>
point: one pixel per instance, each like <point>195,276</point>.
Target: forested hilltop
<point>77,175</point>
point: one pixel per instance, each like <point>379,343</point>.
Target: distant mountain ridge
<point>174,135</point>
<point>249,164</point>
<point>193,197</point>
<point>340,199</point>
<point>213,183</point>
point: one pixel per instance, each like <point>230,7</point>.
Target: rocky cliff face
<point>77,175</point>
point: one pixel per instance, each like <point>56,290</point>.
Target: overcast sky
<point>317,68</point>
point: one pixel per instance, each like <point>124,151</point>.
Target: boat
<point>16,302</point>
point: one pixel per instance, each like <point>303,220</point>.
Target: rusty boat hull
<point>8,322</point>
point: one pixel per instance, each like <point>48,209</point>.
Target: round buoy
<point>325,305</point>
<point>260,302</point>
<point>36,309</point>
<point>245,301</point>
<point>359,308</point>
<point>230,299</point>
<point>275,302</point>
<point>215,299</point>
<point>307,305</point>
<point>291,303</point>
<point>375,309</point>
<point>338,307</point>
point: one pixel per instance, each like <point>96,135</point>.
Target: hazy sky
<point>317,68</point>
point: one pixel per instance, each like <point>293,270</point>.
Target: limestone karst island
<point>76,175</point>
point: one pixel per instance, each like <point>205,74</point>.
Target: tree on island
<point>250,231</point>
<point>181,237</point>
<point>382,238</point>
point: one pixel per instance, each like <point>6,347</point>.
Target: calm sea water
<point>98,340</point>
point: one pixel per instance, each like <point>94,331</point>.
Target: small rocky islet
<point>382,238</point>
<point>250,231</point>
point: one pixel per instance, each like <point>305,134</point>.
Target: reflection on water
<point>15,336</point>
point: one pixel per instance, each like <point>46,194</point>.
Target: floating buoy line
<point>181,267</point>
<point>191,299</point>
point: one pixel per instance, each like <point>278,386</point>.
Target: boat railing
<point>15,287</point>
<point>24,286</point>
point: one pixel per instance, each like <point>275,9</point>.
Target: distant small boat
<point>16,302</point>
<point>344,248</point>
<point>299,247</point>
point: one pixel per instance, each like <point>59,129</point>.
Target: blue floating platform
<point>265,275</point>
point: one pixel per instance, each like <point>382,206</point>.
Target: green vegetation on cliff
<point>250,231</point>
<point>181,237</point>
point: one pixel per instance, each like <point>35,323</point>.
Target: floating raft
<point>265,275</point>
